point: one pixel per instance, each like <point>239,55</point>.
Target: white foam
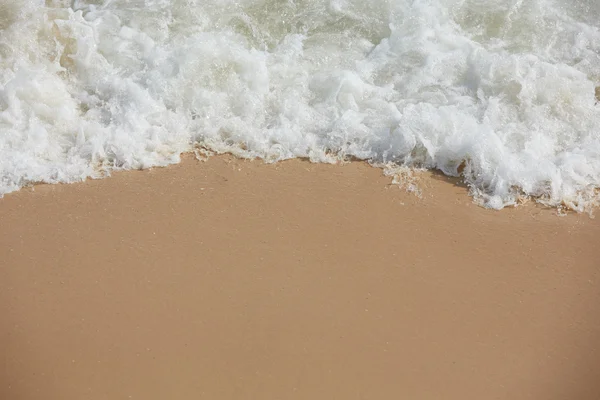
<point>504,88</point>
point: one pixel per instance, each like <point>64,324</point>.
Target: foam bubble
<point>502,91</point>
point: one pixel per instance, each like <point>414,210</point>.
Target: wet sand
<point>237,280</point>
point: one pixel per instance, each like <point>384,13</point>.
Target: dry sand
<point>238,280</point>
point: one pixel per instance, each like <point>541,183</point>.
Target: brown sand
<point>239,280</point>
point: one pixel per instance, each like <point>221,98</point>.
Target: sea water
<point>500,92</point>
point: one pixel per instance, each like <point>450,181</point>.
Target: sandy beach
<point>233,279</point>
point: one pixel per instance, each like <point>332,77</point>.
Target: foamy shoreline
<point>503,90</point>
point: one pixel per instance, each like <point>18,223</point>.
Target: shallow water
<point>500,90</point>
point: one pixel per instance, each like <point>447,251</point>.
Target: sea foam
<point>498,91</point>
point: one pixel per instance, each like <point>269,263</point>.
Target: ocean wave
<point>501,92</point>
